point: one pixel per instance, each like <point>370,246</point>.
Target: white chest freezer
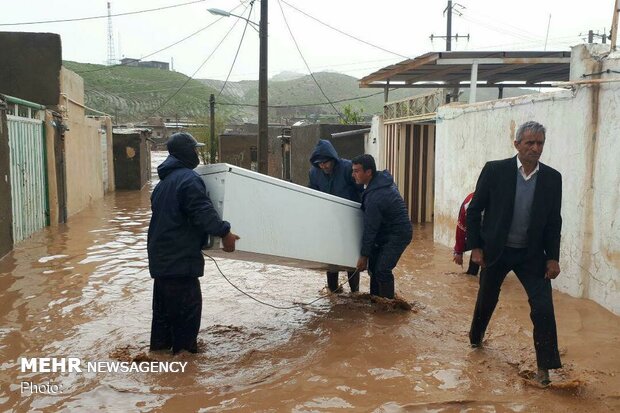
<point>283,223</point>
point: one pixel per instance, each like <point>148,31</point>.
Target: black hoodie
<point>340,182</point>
<point>183,215</point>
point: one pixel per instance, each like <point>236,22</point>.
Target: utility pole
<point>263,129</point>
<point>449,10</point>
<point>454,94</point>
<point>449,27</point>
<point>547,35</point>
<point>614,25</point>
<point>212,126</point>
<point>592,35</point>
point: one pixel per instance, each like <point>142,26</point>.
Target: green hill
<point>296,92</point>
<point>132,94</point>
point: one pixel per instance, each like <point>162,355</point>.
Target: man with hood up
<point>332,175</point>
<point>183,217</point>
<point>387,227</point>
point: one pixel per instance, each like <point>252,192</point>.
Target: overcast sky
<point>402,27</point>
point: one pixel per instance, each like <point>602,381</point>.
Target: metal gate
<point>28,167</point>
<point>104,157</point>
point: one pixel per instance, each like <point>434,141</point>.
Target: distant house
<point>153,64</point>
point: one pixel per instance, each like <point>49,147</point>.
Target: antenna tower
<point>111,56</point>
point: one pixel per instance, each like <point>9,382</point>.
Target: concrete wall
<point>374,142</point>
<point>6,211</point>
<point>30,66</point>
<point>582,143</point>
<point>236,144</point>
<point>84,171</point>
<point>236,150</point>
<point>276,159</point>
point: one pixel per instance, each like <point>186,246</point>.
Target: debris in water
<point>560,380</point>
<point>125,354</point>
<point>398,303</point>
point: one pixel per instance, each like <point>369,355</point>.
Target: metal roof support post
<point>473,82</point>
<point>386,92</point>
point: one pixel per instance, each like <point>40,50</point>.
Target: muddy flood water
<point>83,290</point>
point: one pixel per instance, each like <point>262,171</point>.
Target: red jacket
<point>461,226</point>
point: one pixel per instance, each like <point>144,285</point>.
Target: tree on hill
<point>202,133</point>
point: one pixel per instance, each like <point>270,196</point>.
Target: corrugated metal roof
<point>499,68</point>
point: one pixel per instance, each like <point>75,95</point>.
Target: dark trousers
<point>177,307</point>
<point>531,274</point>
<point>381,262</point>
<point>354,281</point>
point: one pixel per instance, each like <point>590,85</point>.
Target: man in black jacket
<point>521,201</point>
<point>183,217</point>
<point>387,227</point>
<point>332,175</point>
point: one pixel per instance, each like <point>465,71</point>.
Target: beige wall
<point>582,143</point>
<point>84,169</point>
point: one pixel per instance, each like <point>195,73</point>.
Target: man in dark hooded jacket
<point>183,217</point>
<point>332,175</point>
<point>387,227</point>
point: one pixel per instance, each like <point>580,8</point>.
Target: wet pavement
<point>83,290</point>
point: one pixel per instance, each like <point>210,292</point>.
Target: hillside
<point>296,90</point>
<point>132,94</point>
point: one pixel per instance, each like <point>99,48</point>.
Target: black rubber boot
<point>354,281</point>
<point>332,282</point>
<point>542,376</point>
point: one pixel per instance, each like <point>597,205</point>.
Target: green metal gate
<point>28,167</point>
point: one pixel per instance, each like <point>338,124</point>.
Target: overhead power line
<point>162,49</point>
<point>301,105</point>
<point>340,31</point>
<point>153,53</point>
<point>105,16</point>
<point>306,63</point>
<point>498,29</point>
<point>245,28</point>
<point>197,70</point>
<point>500,23</point>
<point>530,43</point>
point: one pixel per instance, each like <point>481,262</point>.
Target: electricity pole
<point>449,27</point>
<point>212,128</point>
<point>263,130</point>
<point>449,10</point>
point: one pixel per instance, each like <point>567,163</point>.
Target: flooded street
<point>83,290</point>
